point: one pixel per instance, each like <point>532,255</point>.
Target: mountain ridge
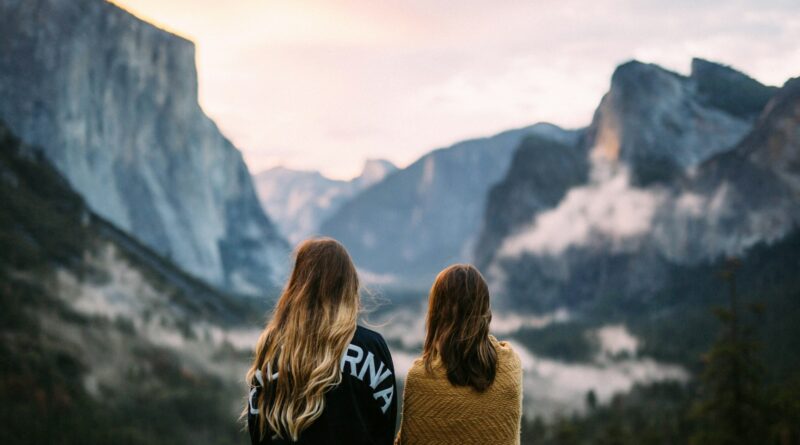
<point>654,120</point>
<point>647,204</point>
<point>404,229</point>
<point>299,200</point>
<point>102,329</point>
<point>112,100</point>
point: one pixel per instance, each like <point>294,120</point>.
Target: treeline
<point>746,383</point>
<point>47,349</point>
<point>43,386</point>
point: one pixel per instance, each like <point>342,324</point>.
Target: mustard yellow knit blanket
<point>436,412</point>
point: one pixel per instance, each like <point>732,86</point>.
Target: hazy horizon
<point>324,86</point>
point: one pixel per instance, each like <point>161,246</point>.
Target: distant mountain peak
<point>725,88</point>
<point>657,123</point>
<point>374,170</point>
<point>774,143</point>
<point>376,163</point>
<point>721,150</point>
<point>635,80</point>
<point>702,67</point>
<point>428,214</point>
<point>281,170</point>
<point>299,200</point>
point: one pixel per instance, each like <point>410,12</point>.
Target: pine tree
<point>731,408</point>
<point>591,401</point>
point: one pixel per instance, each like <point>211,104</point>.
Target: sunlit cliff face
<point>607,147</point>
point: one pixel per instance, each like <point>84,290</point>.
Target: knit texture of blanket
<point>437,412</point>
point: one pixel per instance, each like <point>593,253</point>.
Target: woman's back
<point>317,377</point>
<point>360,410</point>
<point>436,411</point>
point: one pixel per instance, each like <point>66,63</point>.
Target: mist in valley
<point>642,262</point>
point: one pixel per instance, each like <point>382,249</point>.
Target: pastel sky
<point>326,84</point>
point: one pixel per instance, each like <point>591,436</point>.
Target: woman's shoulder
<point>367,335</point>
<point>417,368</point>
<point>505,352</point>
<point>366,341</point>
<point>420,374</point>
<point>370,339</point>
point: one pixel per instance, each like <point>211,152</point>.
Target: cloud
<point>615,339</point>
<point>504,323</point>
<point>553,387</point>
<point>608,211</point>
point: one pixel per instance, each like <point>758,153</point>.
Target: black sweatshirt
<point>360,410</point>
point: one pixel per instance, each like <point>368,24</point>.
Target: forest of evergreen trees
<point>745,388</point>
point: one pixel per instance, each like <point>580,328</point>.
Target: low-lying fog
<point>551,386</point>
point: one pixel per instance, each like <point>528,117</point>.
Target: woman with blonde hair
<point>467,386</point>
<point>317,377</point>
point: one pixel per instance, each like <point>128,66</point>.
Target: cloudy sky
<point>326,84</point>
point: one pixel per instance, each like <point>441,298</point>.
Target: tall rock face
<point>404,229</point>
<point>774,143</point>
<point>742,196</point>
<point>542,171</point>
<point>300,200</point>
<point>112,101</point>
<point>660,123</point>
<point>679,173</point>
<point>97,320</point>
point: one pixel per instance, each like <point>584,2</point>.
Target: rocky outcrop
<point>300,200</point>
<point>745,195</point>
<point>774,143</point>
<point>542,171</point>
<point>679,174</point>
<point>660,123</point>
<point>724,88</point>
<point>112,101</point>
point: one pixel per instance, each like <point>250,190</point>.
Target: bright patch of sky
<point>325,85</point>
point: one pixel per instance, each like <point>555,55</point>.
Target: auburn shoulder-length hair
<point>458,328</point>
<point>298,353</point>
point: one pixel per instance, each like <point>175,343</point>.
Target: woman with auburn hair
<point>317,377</point>
<point>467,386</point>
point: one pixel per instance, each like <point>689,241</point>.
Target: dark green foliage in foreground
<point>731,407</point>
<point>44,399</point>
<point>662,414</point>
<point>676,326</point>
<point>651,414</point>
<point>746,381</point>
<point>41,216</point>
<point>568,341</point>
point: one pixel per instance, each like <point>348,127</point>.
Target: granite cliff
<point>112,102</point>
<point>674,170</point>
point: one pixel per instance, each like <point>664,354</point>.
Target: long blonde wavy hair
<point>299,351</point>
